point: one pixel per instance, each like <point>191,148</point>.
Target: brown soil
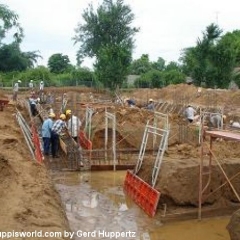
<point>28,198</point>
<point>180,167</point>
<point>233,226</point>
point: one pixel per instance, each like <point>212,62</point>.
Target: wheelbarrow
<point>3,102</point>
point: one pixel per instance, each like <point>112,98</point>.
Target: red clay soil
<point>28,198</point>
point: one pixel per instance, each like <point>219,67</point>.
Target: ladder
<point>119,99</point>
<point>163,134</point>
<point>88,121</point>
<point>158,161</point>
<point>142,149</point>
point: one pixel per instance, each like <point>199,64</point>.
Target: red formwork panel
<point>84,141</point>
<point>144,195</point>
<point>37,146</point>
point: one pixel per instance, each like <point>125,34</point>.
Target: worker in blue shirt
<point>130,102</point>
<point>46,133</point>
<point>33,105</point>
<point>150,105</point>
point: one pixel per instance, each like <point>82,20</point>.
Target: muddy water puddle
<point>97,208</point>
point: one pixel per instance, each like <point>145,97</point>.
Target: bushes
<point>159,79</point>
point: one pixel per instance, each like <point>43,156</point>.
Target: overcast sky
<point>166,27</point>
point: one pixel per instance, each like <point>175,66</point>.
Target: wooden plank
<point>224,134</point>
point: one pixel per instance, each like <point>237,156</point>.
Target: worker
<point>189,113</point>
<point>16,89</point>
<point>216,120</point>
<point>49,99</point>
<point>73,125</point>
<point>58,127</point>
<point>33,105</point>
<point>46,132</point>
<point>150,105</point>
<point>234,124</point>
<point>199,91</point>
<point>41,86</point>
<point>30,85</point>
<point>130,102</point>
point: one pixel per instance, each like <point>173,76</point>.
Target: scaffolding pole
<point>213,135</point>
<point>112,117</point>
<point>88,121</point>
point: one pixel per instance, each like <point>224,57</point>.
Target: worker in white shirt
<point>73,125</point>
<point>30,85</point>
<point>189,113</point>
<point>16,89</point>
<point>41,86</point>
<point>234,124</point>
<point>217,120</point>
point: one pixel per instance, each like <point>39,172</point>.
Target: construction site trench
<point>50,189</point>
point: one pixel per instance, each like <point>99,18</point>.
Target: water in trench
<point>97,208</point>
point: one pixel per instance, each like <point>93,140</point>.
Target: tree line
<point>107,35</point>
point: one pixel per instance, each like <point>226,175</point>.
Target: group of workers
<point>131,103</point>
<point>53,128</point>
<point>30,85</point>
<point>213,120</point>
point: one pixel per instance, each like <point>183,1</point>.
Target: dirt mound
<point>128,120</point>
<point>184,94</point>
<point>28,199</point>
<point>181,161</point>
<point>3,95</point>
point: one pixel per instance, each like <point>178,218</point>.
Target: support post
<point>112,117</point>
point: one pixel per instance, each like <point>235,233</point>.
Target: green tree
<point>83,74</point>
<point>58,63</point>
<point>159,64</point>
<point>226,58</point>
<point>107,35</point>
<point>37,74</point>
<point>9,21</point>
<point>143,82</point>
<point>173,76</point>
<point>150,79</point>
<point>199,57</point>
<point>172,66</point>
<point>141,65</point>
<point>13,59</point>
<point>31,58</point>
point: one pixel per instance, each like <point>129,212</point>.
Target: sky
<point>166,27</point>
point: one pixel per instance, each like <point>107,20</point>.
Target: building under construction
<point>161,150</point>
